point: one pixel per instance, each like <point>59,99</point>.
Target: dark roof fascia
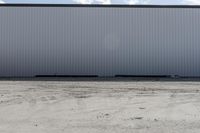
<point>99,5</point>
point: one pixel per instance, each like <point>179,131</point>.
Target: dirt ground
<point>99,106</point>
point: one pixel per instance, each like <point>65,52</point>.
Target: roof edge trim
<point>98,5</point>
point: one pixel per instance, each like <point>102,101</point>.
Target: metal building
<point>103,40</point>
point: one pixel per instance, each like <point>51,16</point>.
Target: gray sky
<point>190,2</point>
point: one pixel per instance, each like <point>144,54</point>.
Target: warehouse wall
<point>104,41</point>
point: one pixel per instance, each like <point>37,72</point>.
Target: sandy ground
<point>99,106</point>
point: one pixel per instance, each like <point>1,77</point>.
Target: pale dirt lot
<point>113,106</point>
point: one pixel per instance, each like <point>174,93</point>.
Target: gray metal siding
<point>99,41</point>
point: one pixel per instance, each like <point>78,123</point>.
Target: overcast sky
<point>189,2</point>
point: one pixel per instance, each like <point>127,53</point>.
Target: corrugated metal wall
<point>99,41</point>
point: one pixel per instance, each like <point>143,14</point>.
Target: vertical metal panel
<point>99,41</point>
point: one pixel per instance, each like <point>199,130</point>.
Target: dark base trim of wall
<point>145,76</point>
<point>71,76</point>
